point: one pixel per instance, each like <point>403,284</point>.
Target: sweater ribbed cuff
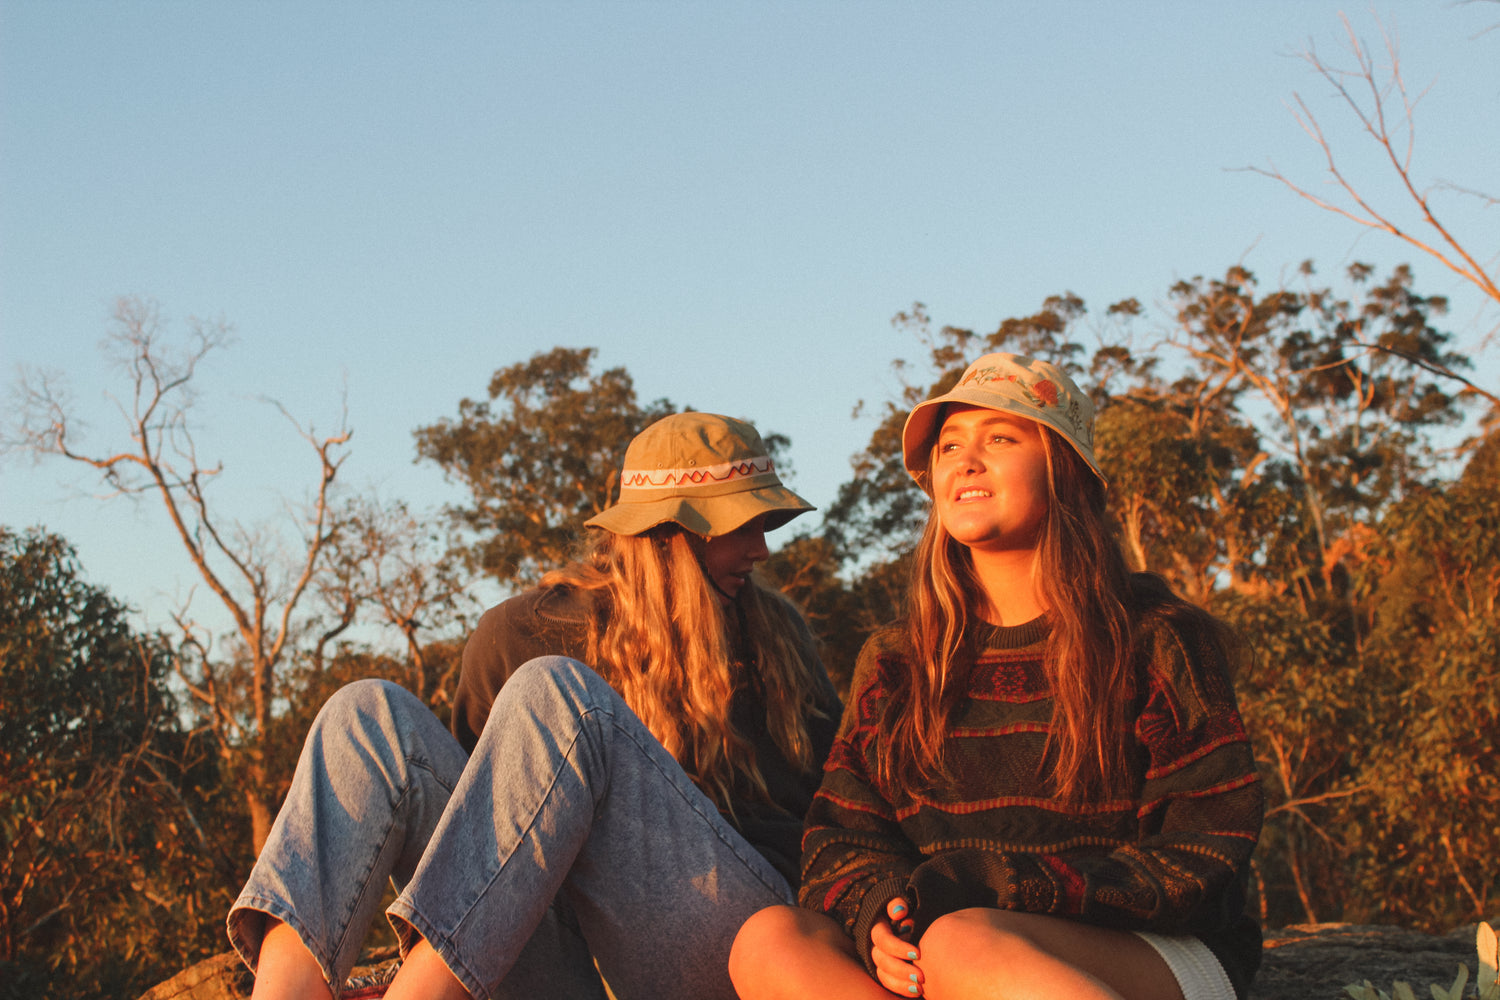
<point>871,909</point>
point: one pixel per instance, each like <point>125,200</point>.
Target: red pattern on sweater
<point>1172,858</point>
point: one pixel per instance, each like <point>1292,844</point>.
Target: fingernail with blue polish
<point>898,909</point>
<point>912,977</point>
<point>912,956</point>
<point>914,990</point>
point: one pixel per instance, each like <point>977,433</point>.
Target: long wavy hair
<point>1094,610</point>
<point>676,657</point>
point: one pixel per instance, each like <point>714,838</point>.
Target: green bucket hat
<point>1010,383</point>
<point>708,473</point>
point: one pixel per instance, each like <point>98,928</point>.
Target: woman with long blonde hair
<point>618,819</point>
<point>1041,786</point>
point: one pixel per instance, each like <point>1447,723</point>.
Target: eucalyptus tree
<point>1427,850</point>
<point>538,456</point>
<point>259,574</point>
<point>112,863</point>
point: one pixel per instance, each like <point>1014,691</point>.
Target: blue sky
<point>389,201</point>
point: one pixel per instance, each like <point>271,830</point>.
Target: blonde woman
<point>617,819</point>
<point>1041,787</point>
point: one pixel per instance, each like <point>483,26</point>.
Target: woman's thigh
<point>971,952</point>
<point>791,953</point>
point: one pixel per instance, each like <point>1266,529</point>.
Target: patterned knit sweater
<point>1171,858</point>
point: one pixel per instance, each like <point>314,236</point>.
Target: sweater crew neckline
<point>1012,636</point>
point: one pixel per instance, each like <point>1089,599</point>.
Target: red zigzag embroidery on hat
<point>642,479</point>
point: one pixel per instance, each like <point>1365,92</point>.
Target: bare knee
<point>785,950</point>
<point>758,939</point>
<point>957,945</point>
<point>968,952</point>
<point>960,932</point>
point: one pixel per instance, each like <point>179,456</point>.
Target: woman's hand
<point>893,953</point>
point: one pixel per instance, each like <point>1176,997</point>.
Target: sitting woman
<point>622,822</point>
<point>1041,787</point>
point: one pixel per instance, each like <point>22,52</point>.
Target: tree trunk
<point>262,809</point>
<point>1297,877</point>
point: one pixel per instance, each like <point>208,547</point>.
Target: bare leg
<point>787,953</point>
<point>424,976</point>
<point>984,954</point>
<point>287,970</point>
<point>784,953</point>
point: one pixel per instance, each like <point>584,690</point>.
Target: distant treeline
<point>1316,466</point>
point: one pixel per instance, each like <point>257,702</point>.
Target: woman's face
<point>728,559</point>
<point>989,480</point>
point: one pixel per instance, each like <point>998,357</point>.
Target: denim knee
<point>356,701</point>
<point>371,711</point>
<point>546,679</point>
<point>373,730</point>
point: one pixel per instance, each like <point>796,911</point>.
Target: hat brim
<point>708,516</point>
<point>922,424</point>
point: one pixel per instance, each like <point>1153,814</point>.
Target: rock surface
<point>1308,962</point>
<point>224,977</point>
<point>1316,961</point>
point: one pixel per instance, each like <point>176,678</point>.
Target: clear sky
<point>392,200</point>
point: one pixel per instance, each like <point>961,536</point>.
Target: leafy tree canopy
<point>107,873</point>
<point>539,457</point>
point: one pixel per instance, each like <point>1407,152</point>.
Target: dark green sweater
<point>553,620</point>
<point>1172,857</point>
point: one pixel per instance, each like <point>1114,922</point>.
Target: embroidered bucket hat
<point>1010,383</point>
<point>708,473</point>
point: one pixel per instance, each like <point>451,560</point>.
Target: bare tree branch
<point>1436,369</point>
<point>1379,100</point>
<point>239,566</point>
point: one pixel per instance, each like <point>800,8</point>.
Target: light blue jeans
<point>569,838</point>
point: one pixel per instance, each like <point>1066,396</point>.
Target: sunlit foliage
<point>110,873</point>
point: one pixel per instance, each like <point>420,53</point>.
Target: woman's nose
<point>755,545</point>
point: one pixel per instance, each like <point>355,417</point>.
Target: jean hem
<point>277,909</point>
<point>410,927</point>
